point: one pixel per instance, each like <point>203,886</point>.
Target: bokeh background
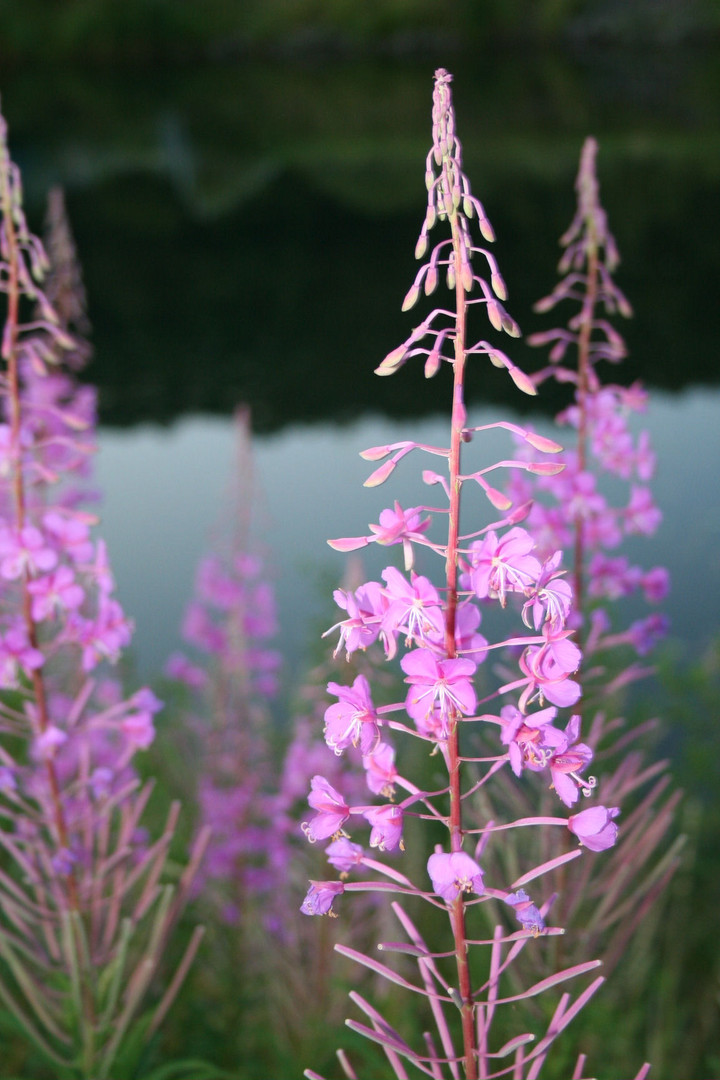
<point>245,184</point>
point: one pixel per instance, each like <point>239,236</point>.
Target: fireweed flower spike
<point>434,628</point>
<point>83,912</point>
<point>592,517</point>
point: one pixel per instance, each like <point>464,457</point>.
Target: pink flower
<point>595,827</point>
<point>352,721</point>
<point>499,566</point>
<point>642,515</point>
<point>528,914</point>
<point>47,742</point>
<point>452,874</point>
<point>380,771</point>
<point>551,596</point>
<point>71,534</point>
<point>442,684</point>
<point>396,526</point>
<point>531,739</point>
<point>413,608</point>
<point>567,761</point>
<point>387,826</point>
<point>55,593</point>
<point>24,552</point>
<point>320,897</point>
<point>183,670</point>
<point>332,810</point>
<point>344,855</point>
<point>548,667</point>
<point>17,655</point>
<point>365,608</point>
<point>656,584</point>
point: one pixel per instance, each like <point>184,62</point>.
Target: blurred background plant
<point>88,898</point>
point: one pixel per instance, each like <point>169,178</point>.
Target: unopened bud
<point>432,364</point>
<point>411,298</point>
<point>431,280</point>
<point>498,286</point>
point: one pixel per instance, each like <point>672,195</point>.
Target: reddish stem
<point>457,911</point>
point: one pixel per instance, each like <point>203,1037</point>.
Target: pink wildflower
<point>567,761</point>
<point>548,667</point>
<point>352,721</point>
<point>396,526</point>
<point>499,566</point>
<point>344,855</point>
<point>413,608</point>
<point>527,913</point>
<point>380,771</point>
<point>595,827</point>
<point>332,810</point>
<point>320,896</point>
<point>387,826</point>
<point>445,684</point>
<point>455,873</point>
<point>55,593</point>
<point>24,552</point>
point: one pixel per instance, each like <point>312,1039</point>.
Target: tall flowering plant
<point>433,630</point>
<point>84,913</point>
<point>599,501</point>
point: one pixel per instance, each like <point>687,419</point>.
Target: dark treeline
<point>98,30</point>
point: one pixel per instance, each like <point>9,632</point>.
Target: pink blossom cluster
<point>406,612</point>
<point>60,620</point>
<point>452,704</point>
<point>579,508</point>
<point>229,676</point>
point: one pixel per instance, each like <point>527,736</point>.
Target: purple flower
<point>551,596</point>
<point>344,855</point>
<point>645,633</point>
<point>24,551</point>
<point>320,897</point>
<point>396,526</point>
<point>71,534</point>
<point>365,608</point>
<point>47,742</point>
<point>380,771</point>
<point>413,608</point>
<point>595,827</point>
<point>387,826</point>
<point>499,566</point>
<point>17,654</point>
<point>352,721</point>
<point>55,593</point>
<point>452,874</point>
<point>642,515</point>
<point>445,685</point>
<point>528,915</point>
<point>332,810</point>
<point>566,763</point>
<point>531,740</point>
<point>548,667</point>
<point>139,729</point>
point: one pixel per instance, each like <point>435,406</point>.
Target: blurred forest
<point>98,30</point>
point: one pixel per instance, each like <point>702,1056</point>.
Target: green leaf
<point>189,1069</point>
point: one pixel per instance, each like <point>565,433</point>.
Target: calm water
<point>165,487</point>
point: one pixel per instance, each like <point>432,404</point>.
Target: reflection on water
<point>247,230</point>
<point>164,488</point>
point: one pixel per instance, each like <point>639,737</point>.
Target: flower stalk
<point>437,629</point>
